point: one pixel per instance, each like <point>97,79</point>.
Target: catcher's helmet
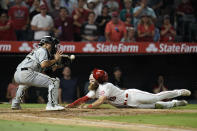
<point>100,75</point>
<point>50,40</point>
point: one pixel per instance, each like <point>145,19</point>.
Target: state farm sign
<point>174,48</point>
<point>110,48</point>
<point>171,48</point>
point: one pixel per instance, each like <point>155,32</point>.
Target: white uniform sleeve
<point>91,94</point>
<point>42,55</point>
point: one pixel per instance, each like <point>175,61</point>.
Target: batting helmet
<point>100,75</point>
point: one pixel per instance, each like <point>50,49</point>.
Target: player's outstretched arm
<point>78,102</point>
<point>97,103</point>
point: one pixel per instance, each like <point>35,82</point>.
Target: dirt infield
<point>72,117</point>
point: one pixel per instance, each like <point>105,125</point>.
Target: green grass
<point>24,105</point>
<point>188,107</point>
<point>29,126</point>
<point>183,120</point>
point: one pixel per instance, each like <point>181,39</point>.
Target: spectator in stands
<point>20,16</point>
<point>89,30</point>
<point>68,91</point>
<point>41,23</point>
<point>185,12</point>
<point>35,9</point>
<point>6,28</point>
<point>185,8</point>
<point>142,9</point>
<point>11,90</point>
<point>145,29</point>
<point>127,10</point>
<point>80,15</point>
<point>101,21</point>
<point>168,32</point>
<point>55,4</point>
<point>117,79</point>
<point>130,35</point>
<point>95,6</point>
<point>64,26</point>
<point>113,5</point>
<point>155,5</point>
<point>70,5</point>
<point>160,85</point>
<point>128,21</point>
<point>115,29</point>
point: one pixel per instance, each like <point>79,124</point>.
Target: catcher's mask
<point>100,75</point>
<point>50,40</point>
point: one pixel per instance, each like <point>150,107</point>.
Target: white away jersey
<point>34,59</point>
<point>114,95</point>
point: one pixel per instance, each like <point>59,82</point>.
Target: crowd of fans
<point>99,20</point>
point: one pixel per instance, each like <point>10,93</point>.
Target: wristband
<point>90,106</point>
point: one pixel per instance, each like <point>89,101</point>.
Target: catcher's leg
<point>149,98</point>
<point>42,80</point>
<point>19,94</point>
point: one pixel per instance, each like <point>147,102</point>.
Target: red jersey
<point>142,29</point>
<point>7,34</point>
<point>168,36</point>
<point>116,31</point>
<point>66,28</point>
<point>19,16</point>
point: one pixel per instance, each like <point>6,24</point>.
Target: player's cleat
<point>180,103</point>
<point>54,108</point>
<point>185,92</point>
<point>15,104</point>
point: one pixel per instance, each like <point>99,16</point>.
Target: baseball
<point>72,57</point>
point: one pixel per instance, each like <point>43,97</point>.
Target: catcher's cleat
<point>180,103</point>
<point>15,104</point>
<point>185,92</point>
<point>54,108</point>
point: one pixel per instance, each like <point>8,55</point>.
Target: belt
<point>125,101</point>
<point>24,69</point>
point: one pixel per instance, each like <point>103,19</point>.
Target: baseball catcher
<point>28,73</point>
<point>107,92</point>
